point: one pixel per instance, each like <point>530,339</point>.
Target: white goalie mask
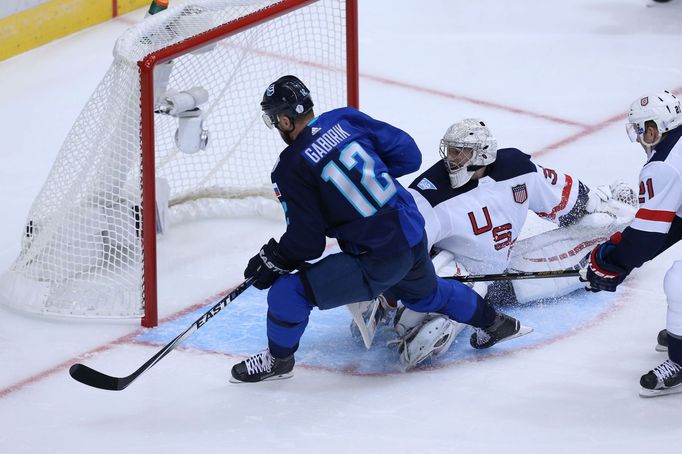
<point>466,147</point>
<point>662,108</point>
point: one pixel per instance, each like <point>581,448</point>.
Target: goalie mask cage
<point>89,245</point>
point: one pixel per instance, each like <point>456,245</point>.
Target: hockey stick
<point>365,321</point>
<point>515,276</point>
<point>96,379</point>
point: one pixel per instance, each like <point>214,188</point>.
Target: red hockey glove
<point>602,275</point>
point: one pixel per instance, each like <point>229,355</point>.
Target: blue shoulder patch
<point>426,185</point>
<point>510,163</point>
<point>434,185</point>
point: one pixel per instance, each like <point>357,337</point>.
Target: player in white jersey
<point>475,207</point>
<point>655,122</point>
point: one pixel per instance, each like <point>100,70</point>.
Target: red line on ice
<point>586,130</point>
<point>128,338</point>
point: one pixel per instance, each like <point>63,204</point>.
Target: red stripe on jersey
<point>564,200</point>
<point>655,215</point>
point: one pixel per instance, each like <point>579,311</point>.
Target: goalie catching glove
<point>597,199</point>
<point>266,266</point>
<point>600,274</point>
<point>612,198</point>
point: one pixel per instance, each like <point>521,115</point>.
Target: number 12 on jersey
<point>380,192</point>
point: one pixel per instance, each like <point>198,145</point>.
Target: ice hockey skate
<point>262,366</point>
<point>662,341</point>
<point>502,329</point>
<point>663,379</point>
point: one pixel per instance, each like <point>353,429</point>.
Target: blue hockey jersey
<point>337,180</point>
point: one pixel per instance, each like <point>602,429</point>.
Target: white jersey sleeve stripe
<point>650,226</point>
<point>565,194</point>
<point>655,221</point>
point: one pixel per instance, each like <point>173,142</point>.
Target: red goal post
<point>147,66</point>
<point>89,245</point>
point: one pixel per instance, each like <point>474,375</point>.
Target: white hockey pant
<point>672,284</point>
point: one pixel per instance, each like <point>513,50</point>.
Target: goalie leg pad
<point>530,290</point>
<point>446,265</point>
<point>406,320</point>
<point>431,338</point>
<point>560,249</point>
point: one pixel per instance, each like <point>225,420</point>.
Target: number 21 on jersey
<point>350,157</point>
<point>646,191</point>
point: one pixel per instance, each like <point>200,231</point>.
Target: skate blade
<point>523,330</point>
<point>661,348</point>
<point>660,392</point>
<point>274,377</point>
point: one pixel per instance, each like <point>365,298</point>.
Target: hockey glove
<point>602,275</point>
<point>266,266</point>
<point>597,199</point>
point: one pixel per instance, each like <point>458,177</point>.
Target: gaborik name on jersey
<point>325,143</point>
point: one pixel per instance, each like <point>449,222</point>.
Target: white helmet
<point>469,134</point>
<point>662,108</point>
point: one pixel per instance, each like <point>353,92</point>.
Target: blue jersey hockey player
<point>337,178</point>
<point>655,122</point>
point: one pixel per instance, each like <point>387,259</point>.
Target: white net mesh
<point>82,250</point>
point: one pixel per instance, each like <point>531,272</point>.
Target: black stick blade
<point>91,377</point>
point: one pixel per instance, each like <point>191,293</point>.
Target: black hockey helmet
<point>286,96</point>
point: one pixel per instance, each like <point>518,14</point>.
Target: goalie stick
<point>365,317</point>
<point>96,379</point>
<point>514,276</point>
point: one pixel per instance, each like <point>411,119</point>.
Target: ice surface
<point>552,78</point>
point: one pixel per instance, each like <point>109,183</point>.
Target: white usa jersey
<point>479,221</point>
<point>658,222</point>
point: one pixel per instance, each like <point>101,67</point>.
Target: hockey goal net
<point>196,71</point>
